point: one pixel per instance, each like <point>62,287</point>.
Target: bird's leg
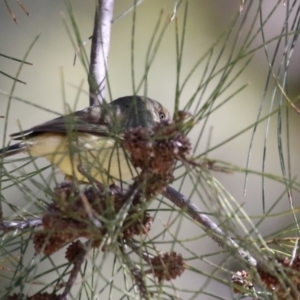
<point>71,179</point>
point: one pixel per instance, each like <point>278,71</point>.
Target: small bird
<point>88,138</point>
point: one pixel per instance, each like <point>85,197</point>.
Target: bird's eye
<point>162,116</point>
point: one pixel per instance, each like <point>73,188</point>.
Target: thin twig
<point>212,228</point>
<point>14,225</point>
<point>147,257</point>
<point>11,12</point>
<point>136,274</point>
<point>99,50</point>
<point>76,269</point>
<point>23,8</point>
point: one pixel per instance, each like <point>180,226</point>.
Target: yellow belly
<point>99,157</point>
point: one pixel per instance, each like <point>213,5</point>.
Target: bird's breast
<point>100,157</point>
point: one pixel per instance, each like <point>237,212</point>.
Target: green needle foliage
<point>134,240</point>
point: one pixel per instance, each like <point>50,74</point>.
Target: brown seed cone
<point>167,266</point>
<point>73,251</point>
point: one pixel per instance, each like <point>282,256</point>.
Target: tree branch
<point>210,227</point>
<point>99,50</point>
<point>15,225</point>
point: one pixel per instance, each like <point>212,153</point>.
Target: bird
<point>88,139</point>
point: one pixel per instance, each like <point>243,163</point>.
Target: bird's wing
<point>88,120</point>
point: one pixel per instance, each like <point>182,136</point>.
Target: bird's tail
<point>12,150</point>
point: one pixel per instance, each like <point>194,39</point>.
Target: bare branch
<point>76,269</point>
<point>14,225</point>
<point>99,50</point>
<point>212,228</point>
